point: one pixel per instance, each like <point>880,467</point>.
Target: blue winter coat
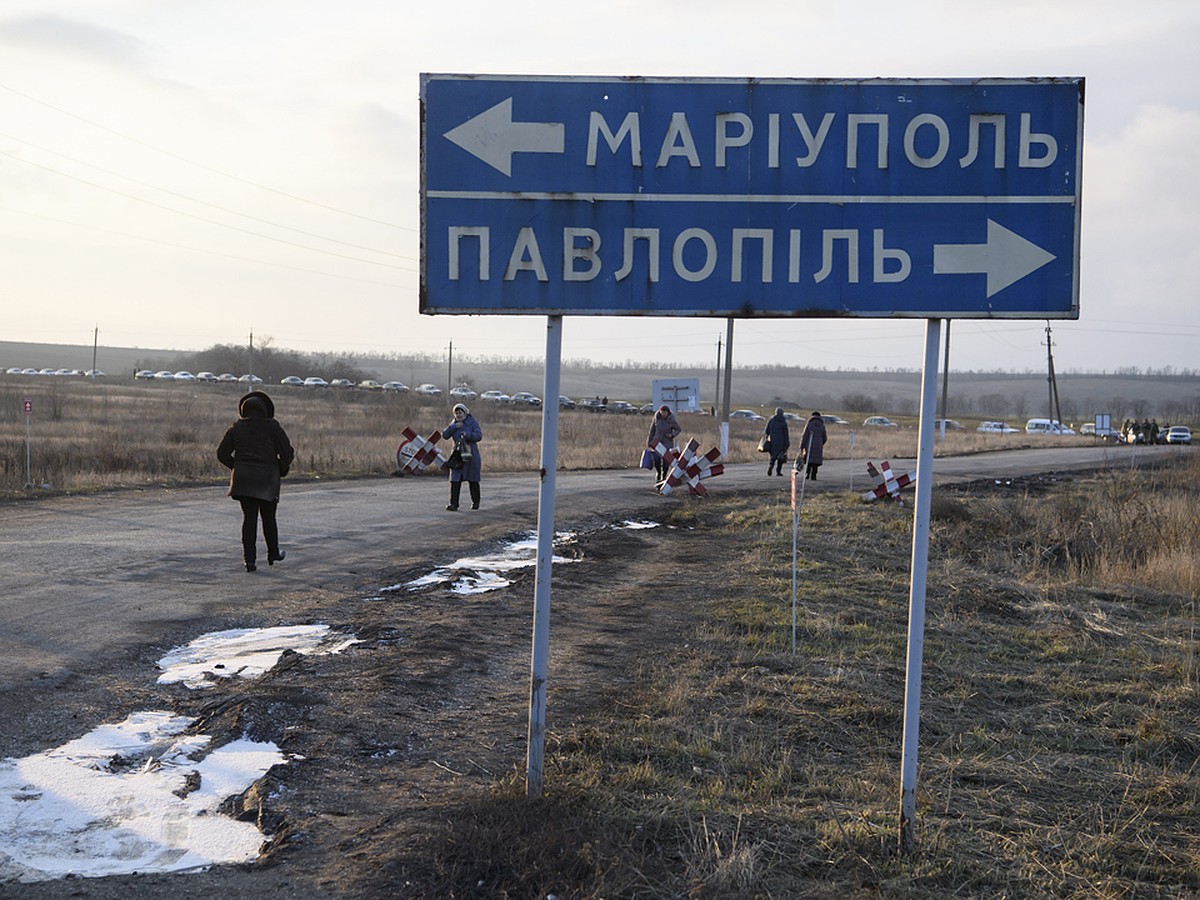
<point>466,434</point>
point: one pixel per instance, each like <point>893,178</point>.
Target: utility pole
<point>450,370</point>
<point>95,342</point>
<point>1051,383</point>
<point>945,382</point>
<point>717,389</point>
<point>250,371</point>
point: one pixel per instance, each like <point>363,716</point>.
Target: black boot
<point>455,490</point>
<point>474,487</point>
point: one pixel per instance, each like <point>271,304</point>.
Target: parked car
<point>164,375</point>
<point>205,376</point>
<point>996,427</point>
<point>314,381</point>
<point>879,422</point>
<point>833,420</point>
<point>341,383</point>
<point>647,409</point>
<point>494,396</point>
<point>1047,426</point>
<point>227,376</point>
<point>398,386</point>
<point>250,379</point>
<point>13,370</point>
<point>565,402</point>
<point>462,392</point>
<point>622,406</point>
<point>184,376</point>
<point>371,384</point>
<point>593,404</point>
<point>748,414</point>
<point>1179,434</point>
<point>951,425</point>
<point>292,380</point>
<point>429,390</point>
<point>524,398</point>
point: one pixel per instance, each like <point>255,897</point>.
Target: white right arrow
<point>1005,258</point>
<point>494,137</point>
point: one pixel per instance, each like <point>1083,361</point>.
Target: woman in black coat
<point>812,446</point>
<point>777,434</point>
<point>258,451</point>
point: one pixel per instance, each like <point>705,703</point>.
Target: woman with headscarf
<point>258,451</point>
<point>776,431</point>
<point>663,430</point>
<point>812,444</point>
<point>465,462</point>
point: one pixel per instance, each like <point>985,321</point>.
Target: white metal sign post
<point>917,583</point>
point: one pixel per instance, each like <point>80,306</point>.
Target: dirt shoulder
<point>425,712</point>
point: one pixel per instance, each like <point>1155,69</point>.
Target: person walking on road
<point>257,450</point>
<point>465,463</point>
<point>663,430</point>
<point>776,431</point>
<point>812,446</point>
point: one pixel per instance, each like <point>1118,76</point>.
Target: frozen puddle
<point>636,524</point>
<point>480,574</point>
<point>244,653</point>
<point>141,795</point>
<point>137,796</point>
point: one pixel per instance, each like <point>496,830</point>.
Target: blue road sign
<point>947,198</point>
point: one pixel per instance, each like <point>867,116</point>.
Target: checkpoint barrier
<point>688,467</point>
<point>417,454</point>
<point>889,483</point>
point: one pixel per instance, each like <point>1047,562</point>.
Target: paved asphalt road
<point>84,579</point>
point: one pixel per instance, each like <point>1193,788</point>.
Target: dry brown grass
<point>89,436</point>
<point>1059,722</point>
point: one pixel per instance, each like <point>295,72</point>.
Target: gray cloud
<point>72,38</point>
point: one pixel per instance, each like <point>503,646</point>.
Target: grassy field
<point>1060,714</point>
<point>86,436</point>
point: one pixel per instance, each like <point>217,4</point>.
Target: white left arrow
<point>494,137</point>
<point>1005,258</point>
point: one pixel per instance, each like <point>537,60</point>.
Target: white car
<point>997,428</point>
<point>525,398</point>
<point>164,375</point>
<point>494,397</point>
<point>184,376</point>
<point>398,386</point>
<point>341,383</point>
<point>748,414</point>
<point>879,422</point>
<point>314,381</point>
<point>250,379</point>
<point>429,390</point>
<point>227,376</point>
<point>462,392</point>
<point>205,376</point>
<point>1179,434</point>
<point>1047,426</point>
<point>292,380</point>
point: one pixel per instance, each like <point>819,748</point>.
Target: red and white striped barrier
<point>688,467</point>
<point>416,454</point>
<point>889,485</point>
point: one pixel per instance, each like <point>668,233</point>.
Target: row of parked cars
<point>59,373</point>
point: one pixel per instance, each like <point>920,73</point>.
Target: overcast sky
<point>179,174</point>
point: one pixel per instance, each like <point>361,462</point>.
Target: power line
<point>190,198</point>
<point>199,165</point>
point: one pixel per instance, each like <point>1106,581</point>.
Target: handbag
<point>647,459</point>
<point>764,444</point>
<point>455,461</point>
